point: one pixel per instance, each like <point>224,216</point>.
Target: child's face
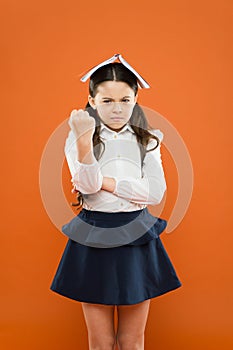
<point>114,103</point>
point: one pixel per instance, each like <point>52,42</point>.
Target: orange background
<point>183,49</point>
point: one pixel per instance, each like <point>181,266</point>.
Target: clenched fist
<point>82,124</point>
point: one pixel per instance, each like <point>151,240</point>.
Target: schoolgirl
<point>114,255</point>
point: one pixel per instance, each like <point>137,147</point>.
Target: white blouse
<point>135,188</point>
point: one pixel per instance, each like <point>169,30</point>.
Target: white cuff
<point>84,165</point>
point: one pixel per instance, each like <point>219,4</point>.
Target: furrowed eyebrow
<point>109,98</point>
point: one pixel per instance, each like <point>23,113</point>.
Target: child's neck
<point>115,129</point>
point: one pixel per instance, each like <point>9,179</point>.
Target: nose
<point>117,107</point>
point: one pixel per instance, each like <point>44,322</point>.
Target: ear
<point>91,101</point>
<point>136,98</point>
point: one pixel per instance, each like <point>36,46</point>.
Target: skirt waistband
<point>100,215</point>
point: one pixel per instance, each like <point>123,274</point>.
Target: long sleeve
<point>150,188</point>
<point>87,178</point>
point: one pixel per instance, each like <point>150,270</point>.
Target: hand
<point>82,124</point>
<point>108,184</point>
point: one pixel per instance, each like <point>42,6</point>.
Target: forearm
<point>142,191</point>
<point>85,153</point>
<point>87,176</point>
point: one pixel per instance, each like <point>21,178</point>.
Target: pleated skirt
<point>114,259</point>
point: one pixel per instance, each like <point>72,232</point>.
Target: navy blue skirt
<point>114,259</point>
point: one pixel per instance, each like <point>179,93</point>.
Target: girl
<point>114,255</point>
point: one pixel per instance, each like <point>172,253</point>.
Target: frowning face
<point>114,103</point>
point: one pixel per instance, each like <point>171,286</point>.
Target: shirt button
<point>115,136</point>
<point>122,204</point>
<point>118,155</point>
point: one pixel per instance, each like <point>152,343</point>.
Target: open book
<point>141,82</point>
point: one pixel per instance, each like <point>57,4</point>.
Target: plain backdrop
<point>184,50</point>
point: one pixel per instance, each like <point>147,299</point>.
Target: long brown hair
<point>117,72</point>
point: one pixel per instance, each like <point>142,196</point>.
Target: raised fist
<point>82,124</point>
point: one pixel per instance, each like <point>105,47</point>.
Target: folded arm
<point>148,189</point>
